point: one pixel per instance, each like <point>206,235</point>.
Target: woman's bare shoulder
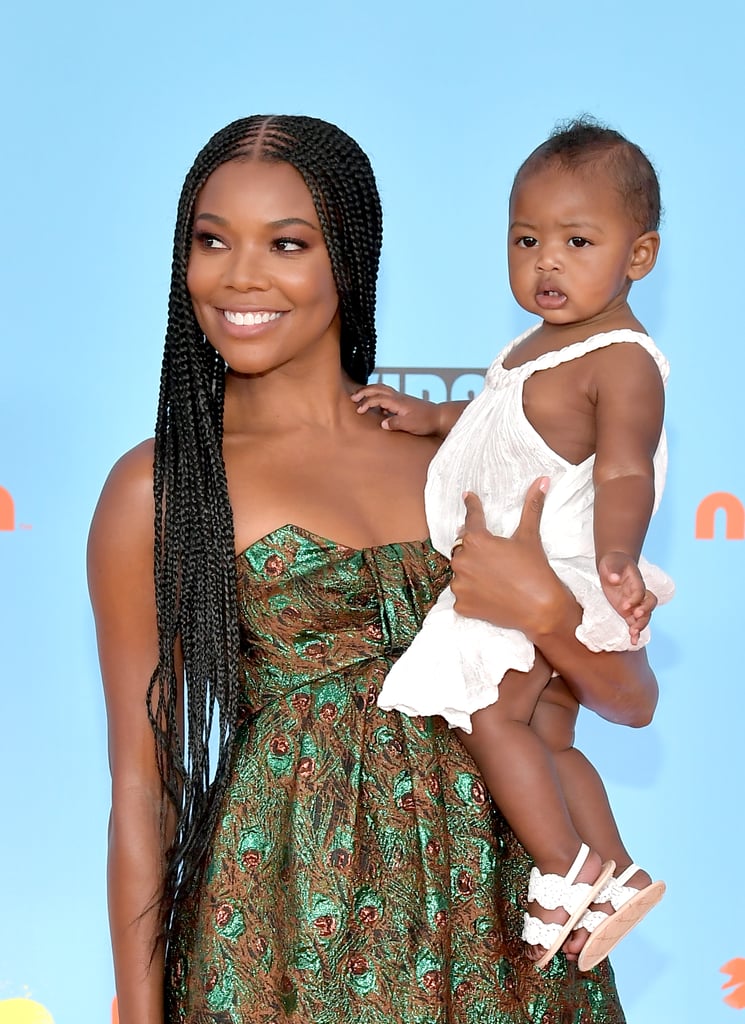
<point>125,509</point>
<point>132,473</point>
<point>135,467</point>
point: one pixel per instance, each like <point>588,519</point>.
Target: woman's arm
<point>120,577</point>
<point>509,582</point>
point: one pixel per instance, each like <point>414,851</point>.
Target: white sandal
<point>606,930</point>
<point>553,891</point>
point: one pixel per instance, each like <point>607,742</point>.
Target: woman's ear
<point>644,255</point>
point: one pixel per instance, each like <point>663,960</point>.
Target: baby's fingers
<point>641,615</point>
<point>636,626</point>
<point>371,390</point>
<point>378,396</point>
<point>638,616</point>
<point>647,605</point>
<point>631,590</point>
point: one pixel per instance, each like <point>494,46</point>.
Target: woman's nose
<point>247,270</point>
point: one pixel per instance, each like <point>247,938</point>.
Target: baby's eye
<point>208,241</point>
<point>290,244</point>
<point>527,242</point>
<point>577,242</point>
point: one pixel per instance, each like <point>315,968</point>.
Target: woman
<point>337,863</point>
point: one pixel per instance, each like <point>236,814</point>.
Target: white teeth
<point>249,319</point>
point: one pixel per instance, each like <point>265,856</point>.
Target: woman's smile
<point>251,323</point>
<point>250,318</point>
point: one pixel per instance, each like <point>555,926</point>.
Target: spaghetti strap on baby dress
<point>455,664</point>
<point>358,871</point>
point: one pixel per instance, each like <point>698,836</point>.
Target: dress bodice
<point>311,608</point>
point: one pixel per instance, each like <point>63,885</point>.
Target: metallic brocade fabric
<point>358,871</point>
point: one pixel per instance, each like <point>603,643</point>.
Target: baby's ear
<point>644,255</point>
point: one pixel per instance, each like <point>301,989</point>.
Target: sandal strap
<point>540,933</point>
<point>626,874</point>
<point>606,893</point>
<point>591,919</point>
<point>552,891</point>
<point>621,893</point>
<point>579,860</point>
<point>615,893</point>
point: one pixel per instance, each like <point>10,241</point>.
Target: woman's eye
<point>290,244</point>
<point>577,242</point>
<point>208,241</point>
<point>527,242</point>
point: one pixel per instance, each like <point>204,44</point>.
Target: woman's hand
<point>508,581</point>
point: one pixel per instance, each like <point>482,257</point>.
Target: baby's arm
<point>629,409</point>
<point>403,412</point>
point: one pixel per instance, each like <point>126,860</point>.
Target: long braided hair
<point>195,572</point>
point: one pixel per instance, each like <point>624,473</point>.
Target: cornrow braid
<point>195,570</point>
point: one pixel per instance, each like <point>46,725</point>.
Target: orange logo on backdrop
<point>7,511</point>
<point>734,516</point>
<point>736,970</point>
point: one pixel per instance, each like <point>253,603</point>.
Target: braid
<point>195,570</point>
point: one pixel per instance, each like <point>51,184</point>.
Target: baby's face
<point>571,245</point>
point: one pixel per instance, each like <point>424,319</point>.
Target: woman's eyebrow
<point>211,217</point>
<point>284,222</point>
<point>293,220</point>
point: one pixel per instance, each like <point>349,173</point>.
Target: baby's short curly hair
<point>583,143</point>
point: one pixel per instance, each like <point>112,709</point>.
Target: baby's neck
<point>554,336</point>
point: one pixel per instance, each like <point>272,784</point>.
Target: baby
<point>579,398</point>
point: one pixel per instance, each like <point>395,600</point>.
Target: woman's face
<point>259,273</point>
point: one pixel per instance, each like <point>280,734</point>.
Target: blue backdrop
<point>104,108</point>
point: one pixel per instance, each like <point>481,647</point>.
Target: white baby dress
<point>455,664</point>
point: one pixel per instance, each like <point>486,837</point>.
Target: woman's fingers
<point>530,517</point>
<point>475,519</point>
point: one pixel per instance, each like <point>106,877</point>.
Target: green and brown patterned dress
<point>358,871</point>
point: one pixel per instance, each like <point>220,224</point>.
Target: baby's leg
<point>554,720</point>
<point>521,775</point>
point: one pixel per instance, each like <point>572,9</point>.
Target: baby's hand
<point>624,588</point>
<point>402,412</point>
